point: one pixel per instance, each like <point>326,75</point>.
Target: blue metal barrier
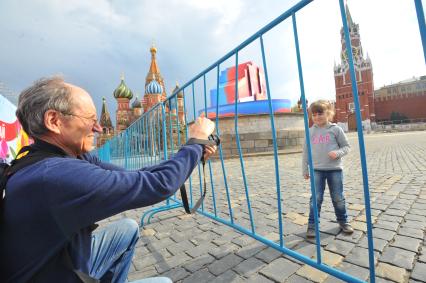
<point>159,133</point>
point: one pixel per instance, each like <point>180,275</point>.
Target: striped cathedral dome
<point>122,91</point>
<point>154,87</point>
<point>136,103</point>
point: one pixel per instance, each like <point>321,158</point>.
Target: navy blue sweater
<point>55,201</point>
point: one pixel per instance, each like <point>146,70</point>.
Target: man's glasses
<point>93,121</point>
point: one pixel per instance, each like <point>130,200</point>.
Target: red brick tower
<point>364,75</point>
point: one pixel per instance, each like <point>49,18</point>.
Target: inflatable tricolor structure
<point>252,94</point>
<point>12,136</point>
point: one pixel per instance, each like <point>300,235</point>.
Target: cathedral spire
<point>153,69</point>
<point>348,16</point>
<point>105,120</point>
<point>154,72</point>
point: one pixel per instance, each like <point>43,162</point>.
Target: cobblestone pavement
<point>194,248</point>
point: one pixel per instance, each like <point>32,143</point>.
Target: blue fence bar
<point>422,25</point>
<point>307,139</point>
<point>160,132</point>
<point>361,144</point>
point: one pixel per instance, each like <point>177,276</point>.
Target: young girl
<point>329,144</point>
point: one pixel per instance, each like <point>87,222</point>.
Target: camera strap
<point>213,140</point>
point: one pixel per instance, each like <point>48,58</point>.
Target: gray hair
<point>44,94</point>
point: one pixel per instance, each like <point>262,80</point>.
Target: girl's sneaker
<point>346,228</point>
<point>310,233</point>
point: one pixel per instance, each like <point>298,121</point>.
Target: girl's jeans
<point>334,180</point>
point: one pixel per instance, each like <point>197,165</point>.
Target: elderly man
<point>50,206</point>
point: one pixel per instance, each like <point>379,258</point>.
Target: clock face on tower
<point>355,52</point>
<point>344,56</point>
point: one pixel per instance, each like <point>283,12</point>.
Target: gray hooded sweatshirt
<point>323,140</point>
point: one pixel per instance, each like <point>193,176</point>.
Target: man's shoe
<point>310,233</point>
<point>346,228</point>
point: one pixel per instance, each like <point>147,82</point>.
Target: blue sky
<point>92,42</point>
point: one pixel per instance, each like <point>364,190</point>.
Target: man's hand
<point>202,128</point>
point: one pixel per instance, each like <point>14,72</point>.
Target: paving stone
<point>415,217</point>
<point>418,211</point>
<point>414,224</point>
<point>419,272</point>
<point>422,257</point>
<point>351,269</point>
<point>307,249</point>
<point>224,264</point>
<point>292,241</point>
<point>250,250</point>
<point>249,266</point>
<point>224,250</point>
<point>331,228</point>
<point>176,274</point>
<point>398,257</point>
<point>410,232</point>
<point>379,244</point>
<point>200,276</point>
<point>340,247</point>
<point>400,206</point>
<point>172,262</point>
<point>141,263</point>
<point>358,225</point>
<point>359,256</point>
<point>383,234</point>
<point>243,241</point>
<point>268,255</point>
<point>279,269</point>
<point>325,239</point>
<point>418,205</point>
<point>201,249</point>
<point>205,237</point>
<point>353,238</point>
<point>228,276</point>
<point>387,225</point>
<point>312,274</point>
<point>225,239</point>
<point>180,247</point>
<point>382,280</point>
<point>390,218</point>
<point>198,263</point>
<point>257,278</point>
<point>297,279</point>
<point>396,212</point>
<point>142,274</point>
<point>406,243</point>
<point>379,206</point>
<point>160,244</point>
<point>391,272</point>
